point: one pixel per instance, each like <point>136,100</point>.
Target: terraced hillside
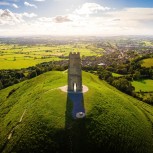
<point>35,116</point>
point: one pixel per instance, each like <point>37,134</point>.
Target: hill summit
<point>36,117</point>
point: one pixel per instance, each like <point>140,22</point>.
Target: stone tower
<point>74,73</point>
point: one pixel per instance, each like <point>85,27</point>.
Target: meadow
<point>147,62</point>
<point>17,56</point>
<point>116,75</point>
<point>143,85</point>
<point>114,121</point>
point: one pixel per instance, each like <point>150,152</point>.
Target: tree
<point>104,74</point>
<point>1,85</point>
<point>19,75</point>
<point>136,75</point>
<point>38,70</point>
<point>151,73</point>
<point>123,85</point>
<point>32,74</point>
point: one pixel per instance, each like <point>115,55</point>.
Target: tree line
<point>131,70</point>
<point>10,77</point>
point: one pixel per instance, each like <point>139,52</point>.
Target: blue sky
<point>76,17</point>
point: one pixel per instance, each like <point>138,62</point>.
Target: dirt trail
<point>12,131</point>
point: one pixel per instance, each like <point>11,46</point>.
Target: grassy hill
<point>35,117</point>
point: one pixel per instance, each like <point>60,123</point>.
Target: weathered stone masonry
<point>74,73</point>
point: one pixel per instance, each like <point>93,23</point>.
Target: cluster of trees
<point>130,69</point>
<point>121,83</point>
<point>145,96</point>
<point>10,77</point>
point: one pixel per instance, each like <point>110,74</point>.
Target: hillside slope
<point>35,116</point>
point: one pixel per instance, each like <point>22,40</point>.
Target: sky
<point>76,17</point>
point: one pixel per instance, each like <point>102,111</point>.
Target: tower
<point>74,73</point>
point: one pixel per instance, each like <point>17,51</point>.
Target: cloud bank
<point>87,19</point>
<point>30,5</point>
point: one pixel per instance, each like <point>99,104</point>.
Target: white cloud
<point>39,0</point>
<point>61,19</point>
<point>31,5</point>
<point>12,0</point>
<point>29,15</point>
<point>7,17</point>
<point>45,19</point>
<point>114,22</point>
<point>90,8</point>
<point>4,3</point>
<point>134,14</point>
<point>15,6</point>
<point>89,19</point>
<point>133,17</point>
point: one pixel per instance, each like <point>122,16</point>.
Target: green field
<point>16,56</point>
<point>143,85</point>
<point>116,75</point>
<point>147,43</point>
<point>114,121</point>
<point>147,62</point>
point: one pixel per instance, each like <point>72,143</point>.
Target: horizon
<point>20,18</point>
<point>43,36</point>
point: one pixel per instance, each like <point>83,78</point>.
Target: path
<point>84,89</point>
<point>12,131</point>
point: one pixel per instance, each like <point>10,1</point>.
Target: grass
<point>116,75</point>
<point>41,115</point>
<point>22,63</point>
<point>114,121</point>
<point>16,57</point>
<point>143,85</point>
<point>147,62</point>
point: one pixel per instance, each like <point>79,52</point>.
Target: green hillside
<point>35,117</point>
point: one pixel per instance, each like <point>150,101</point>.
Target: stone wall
<point>74,72</point>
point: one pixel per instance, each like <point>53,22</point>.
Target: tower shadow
<point>75,127</point>
<point>77,101</point>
